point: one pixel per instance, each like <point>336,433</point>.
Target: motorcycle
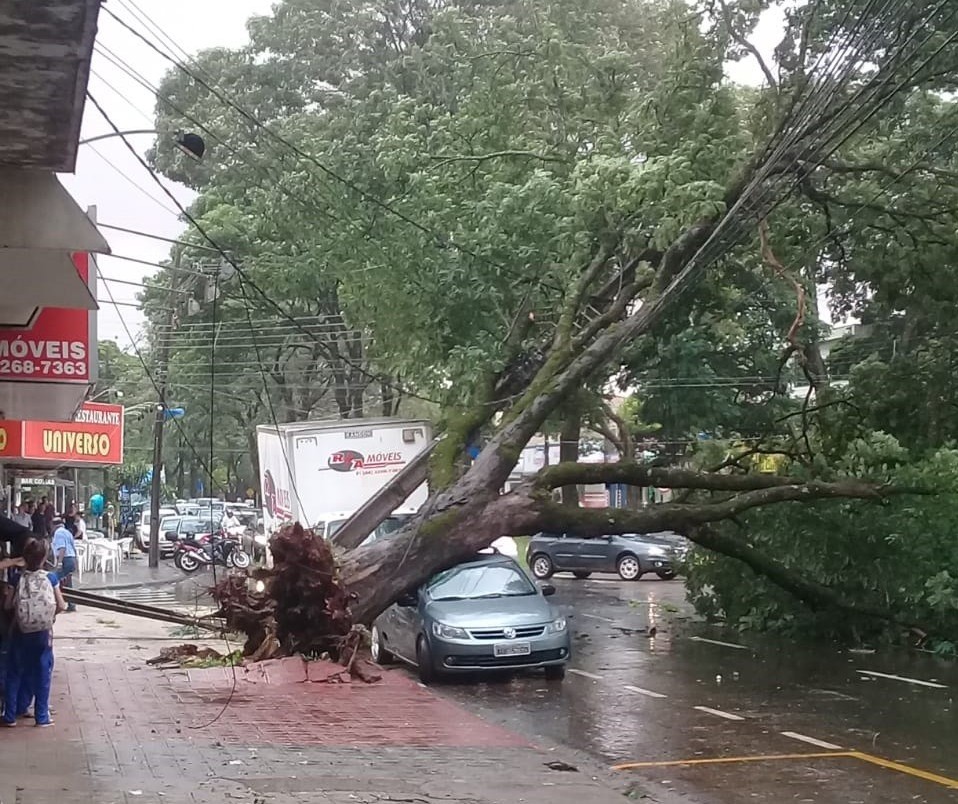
<point>192,553</point>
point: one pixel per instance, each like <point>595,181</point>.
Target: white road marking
<point>597,617</point>
<point>718,713</point>
<point>642,691</point>
<point>717,642</point>
<point>811,740</point>
<point>905,679</point>
<point>593,676</point>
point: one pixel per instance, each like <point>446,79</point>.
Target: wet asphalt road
<point>630,698</point>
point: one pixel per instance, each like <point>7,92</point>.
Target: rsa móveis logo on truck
<point>349,460</point>
<point>275,499</point>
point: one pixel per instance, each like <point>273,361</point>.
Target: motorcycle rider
<point>231,524</point>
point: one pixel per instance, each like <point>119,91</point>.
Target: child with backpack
<point>37,601</point>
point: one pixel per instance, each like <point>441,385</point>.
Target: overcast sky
<point>107,174</point>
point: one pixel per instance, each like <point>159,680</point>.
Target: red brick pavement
<point>274,703</point>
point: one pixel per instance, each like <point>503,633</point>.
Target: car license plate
<point>512,649</point>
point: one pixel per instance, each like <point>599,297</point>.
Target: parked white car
<point>143,528</point>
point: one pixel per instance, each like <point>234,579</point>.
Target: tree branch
<point>636,474</point>
<point>888,170</point>
<point>556,518</point>
<point>563,334</point>
<point>812,593</point>
<point>445,159</point>
<point>769,258</point>
<point>742,41</point>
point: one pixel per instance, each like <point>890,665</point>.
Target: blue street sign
<point>173,413</point>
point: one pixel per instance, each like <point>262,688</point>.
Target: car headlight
<point>658,551</point>
<point>557,626</point>
<point>448,631</point>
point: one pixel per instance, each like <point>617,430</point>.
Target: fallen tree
<point>466,522</point>
<point>523,259</point>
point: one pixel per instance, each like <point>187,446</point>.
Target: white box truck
<point>320,473</point>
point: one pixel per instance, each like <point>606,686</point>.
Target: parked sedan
<point>485,614</point>
<point>629,555</point>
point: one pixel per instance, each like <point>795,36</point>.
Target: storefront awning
<point>45,52</point>
<point>46,366</point>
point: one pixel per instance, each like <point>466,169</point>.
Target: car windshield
<point>483,581</point>
<point>169,523</point>
<point>194,526</point>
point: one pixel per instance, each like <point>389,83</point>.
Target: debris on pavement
<point>188,654</point>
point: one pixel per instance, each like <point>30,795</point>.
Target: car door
<point>594,554</point>
<point>405,625</point>
<point>565,551</point>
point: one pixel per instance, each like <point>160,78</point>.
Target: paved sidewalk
<point>280,733</point>
<point>133,572</point>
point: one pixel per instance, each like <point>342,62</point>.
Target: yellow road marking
<point>898,766</point>
<point>918,773</point>
<point>720,760</point>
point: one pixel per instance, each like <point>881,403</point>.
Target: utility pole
<point>156,486</point>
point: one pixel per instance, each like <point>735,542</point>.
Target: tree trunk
<point>569,436</point>
<point>181,460</point>
<point>454,524</point>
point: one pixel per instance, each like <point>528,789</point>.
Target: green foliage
<point>522,133</point>
<point>890,555</point>
<point>454,166</point>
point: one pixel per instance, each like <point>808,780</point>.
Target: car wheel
<point>377,647</point>
<point>427,670</point>
<point>629,568</point>
<point>555,672</point>
<point>542,566</point>
<point>581,575</point>
<point>666,575</point>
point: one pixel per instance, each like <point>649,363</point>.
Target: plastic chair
<point>105,557</point>
<point>83,556</point>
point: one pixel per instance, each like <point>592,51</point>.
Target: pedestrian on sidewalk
<point>49,514</point>
<point>30,666</point>
<point>80,521</point>
<point>7,591</point>
<point>24,514</point>
<point>37,517</point>
<point>65,556</point>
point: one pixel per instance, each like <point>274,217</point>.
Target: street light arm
<point>189,143</point>
<point>118,134</point>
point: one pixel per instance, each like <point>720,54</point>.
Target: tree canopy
<point>501,209</point>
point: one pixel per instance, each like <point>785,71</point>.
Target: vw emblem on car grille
<point>509,633</point>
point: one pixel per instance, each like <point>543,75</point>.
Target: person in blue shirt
<point>65,555</point>
<point>30,665</point>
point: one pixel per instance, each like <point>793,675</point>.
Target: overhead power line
<point>152,236</point>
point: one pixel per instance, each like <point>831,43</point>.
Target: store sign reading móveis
<point>55,346</point>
